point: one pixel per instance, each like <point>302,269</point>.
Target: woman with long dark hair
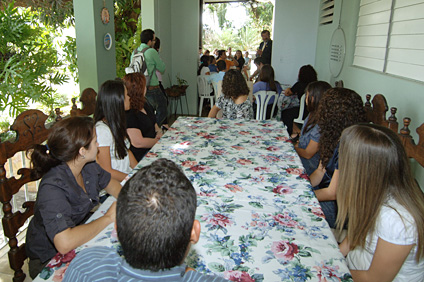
<point>114,143</point>
<point>141,120</point>
<point>69,189</point>
<point>382,206</point>
<point>308,146</point>
<point>267,82</point>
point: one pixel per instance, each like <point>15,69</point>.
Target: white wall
<point>295,37</point>
<point>407,95</point>
<point>176,23</point>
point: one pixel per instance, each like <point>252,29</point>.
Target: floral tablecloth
<point>260,219</point>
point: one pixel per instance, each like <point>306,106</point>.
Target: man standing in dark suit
<point>265,48</point>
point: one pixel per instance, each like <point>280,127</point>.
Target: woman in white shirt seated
<point>382,206</point>
<point>114,146</point>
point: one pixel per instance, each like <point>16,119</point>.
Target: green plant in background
<point>29,62</point>
<point>127,32</point>
<point>246,38</point>
<point>181,81</point>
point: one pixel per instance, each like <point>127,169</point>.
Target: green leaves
<point>29,62</point>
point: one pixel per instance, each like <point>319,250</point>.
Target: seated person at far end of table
<point>217,76</point>
<point>234,102</point>
<point>267,83</point>
<point>148,225</point>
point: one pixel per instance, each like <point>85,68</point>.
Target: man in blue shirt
<point>219,76</point>
<point>155,222</point>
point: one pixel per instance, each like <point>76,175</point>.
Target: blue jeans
<point>157,100</point>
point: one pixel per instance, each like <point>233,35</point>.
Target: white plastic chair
<point>217,86</point>
<point>262,99</point>
<point>204,89</point>
<point>300,119</point>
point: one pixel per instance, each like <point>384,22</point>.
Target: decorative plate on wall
<point>337,51</point>
<point>107,41</point>
<point>105,15</point>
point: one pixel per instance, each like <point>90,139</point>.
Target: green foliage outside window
<point>29,61</point>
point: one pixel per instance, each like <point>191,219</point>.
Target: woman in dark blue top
<point>69,189</point>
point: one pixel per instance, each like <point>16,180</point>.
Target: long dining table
<point>260,220</point>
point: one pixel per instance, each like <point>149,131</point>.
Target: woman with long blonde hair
<point>382,206</point>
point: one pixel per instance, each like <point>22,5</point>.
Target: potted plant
<point>177,89</point>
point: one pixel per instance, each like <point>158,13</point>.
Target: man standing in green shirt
<point>154,95</point>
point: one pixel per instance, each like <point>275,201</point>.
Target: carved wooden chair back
<point>413,150</point>
<point>88,100</point>
<point>30,130</point>
<point>377,112</point>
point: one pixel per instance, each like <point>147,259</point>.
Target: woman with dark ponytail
<point>114,143</point>
<point>69,189</point>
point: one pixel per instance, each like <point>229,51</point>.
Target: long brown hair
<point>373,167</point>
<point>338,109</point>
<point>267,75</point>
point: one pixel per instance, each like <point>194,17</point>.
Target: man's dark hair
<point>154,216</point>
<point>265,31</point>
<point>146,35</point>
<point>220,52</point>
<point>258,61</point>
<point>221,65</point>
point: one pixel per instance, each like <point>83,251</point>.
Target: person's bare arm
<point>71,238</point>
<point>309,151</point>
<point>288,92</point>
<point>133,161</point>
<point>137,139</point>
<point>213,112</point>
<point>329,193</point>
<point>317,175</point>
<point>104,160</point>
<point>113,188</point>
<point>387,260</point>
<point>344,247</point>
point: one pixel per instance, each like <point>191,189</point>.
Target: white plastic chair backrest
<point>250,85</point>
<point>203,86</point>
<point>299,119</point>
<point>262,99</point>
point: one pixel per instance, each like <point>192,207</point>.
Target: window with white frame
<point>390,37</point>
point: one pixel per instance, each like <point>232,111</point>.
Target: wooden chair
<point>377,112</point>
<point>30,130</point>
<point>413,150</point>
<point>88,100</point>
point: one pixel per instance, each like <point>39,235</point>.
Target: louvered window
<point>390,37</point>
<point>327,12</point>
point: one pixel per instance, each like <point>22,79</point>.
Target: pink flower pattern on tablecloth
<point>260,220</point>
